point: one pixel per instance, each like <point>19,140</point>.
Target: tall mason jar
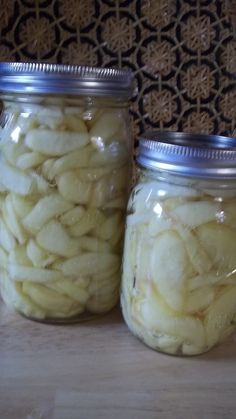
<point>64,179</point>
<point>179,269</point>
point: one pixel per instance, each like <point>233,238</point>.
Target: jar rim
<point>187,154</point>
<point>41,78</point>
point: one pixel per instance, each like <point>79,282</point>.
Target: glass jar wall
<point>179,282</point>
<point>64,165</point>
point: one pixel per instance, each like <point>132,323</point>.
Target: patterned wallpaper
<point>183,53</point>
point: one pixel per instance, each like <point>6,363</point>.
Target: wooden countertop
<point>99,370</point>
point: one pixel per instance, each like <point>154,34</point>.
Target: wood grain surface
<point>99,370</point>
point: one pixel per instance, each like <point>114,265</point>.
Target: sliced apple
<point>55,143</point>
<point>169,263</point>
<point>197,253</point>
<point>45,209</point>
<point>160,320</point>
<point>219,242</point>
<point>221,315</point>
<point>193,214</point>
<point>200,299</point>
<point>54,238</point>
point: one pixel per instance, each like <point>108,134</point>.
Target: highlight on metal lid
<point>197,155</point>
<point>64,79</point>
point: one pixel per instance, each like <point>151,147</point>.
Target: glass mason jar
<point>179,268</point>
<point>64,164</point>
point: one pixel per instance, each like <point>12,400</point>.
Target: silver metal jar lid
<point>64,79</point>
<point>198,155</point>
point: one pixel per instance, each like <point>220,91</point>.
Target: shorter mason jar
<point>179,266</point>
<point>64,164</point>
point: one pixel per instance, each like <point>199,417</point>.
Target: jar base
<point>150,341</point>
<point>85,317</point>
<point>177,354</point>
